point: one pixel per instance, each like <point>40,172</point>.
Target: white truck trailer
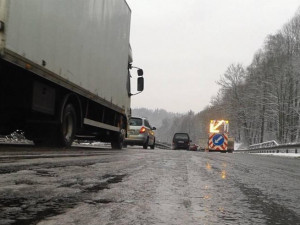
<point>65,70</point>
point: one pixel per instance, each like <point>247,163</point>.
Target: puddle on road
<point>99,201</point>
<point>5,160</point>
<point>273,212</point>
<point>25,181</point>
<point>113,179</point>
<point>31,210</point>
<point>23,211</point>
<point>47,165</point>
<point>45,173</point>
<point>12,202</point>
<point>110,179</point>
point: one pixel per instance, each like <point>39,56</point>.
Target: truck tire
<point>67,128</point>
<point>117,141</point>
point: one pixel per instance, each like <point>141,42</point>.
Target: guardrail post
<point>296,151</point>
<point>277,151</point>
<point>287,151</point>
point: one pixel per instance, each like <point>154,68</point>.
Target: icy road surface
<point>133,186</point>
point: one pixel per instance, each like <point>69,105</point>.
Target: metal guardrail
<point>285,148</point>
<point>162,145</point>
<point>266,144</point>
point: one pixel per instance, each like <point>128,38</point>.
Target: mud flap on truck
<point>43,98</point>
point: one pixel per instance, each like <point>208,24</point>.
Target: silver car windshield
<point>135,122</point>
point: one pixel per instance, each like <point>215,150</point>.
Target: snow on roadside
<point>293,155</point>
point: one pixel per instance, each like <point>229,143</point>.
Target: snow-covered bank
<point>294,155</point>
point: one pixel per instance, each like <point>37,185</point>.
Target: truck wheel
<point>118,140</point>
<point>67,127</point>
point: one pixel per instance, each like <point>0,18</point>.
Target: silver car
<point>140,133</point>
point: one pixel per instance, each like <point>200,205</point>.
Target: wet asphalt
<point>135,186</point>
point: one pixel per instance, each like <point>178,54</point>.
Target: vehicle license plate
<point>181,142</point>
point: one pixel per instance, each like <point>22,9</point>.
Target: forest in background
<point>261,101</point>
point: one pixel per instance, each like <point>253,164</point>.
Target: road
<point>135,186</point>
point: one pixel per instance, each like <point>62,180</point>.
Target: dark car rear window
<point>135,122</point>
<point>181,136</point>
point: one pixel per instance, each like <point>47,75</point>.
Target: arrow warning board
<point>219,126</point>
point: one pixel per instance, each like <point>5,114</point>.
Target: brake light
<point>142,130</point>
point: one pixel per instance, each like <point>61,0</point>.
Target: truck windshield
<point>135,122</point>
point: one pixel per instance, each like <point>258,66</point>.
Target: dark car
<point>181,141</point>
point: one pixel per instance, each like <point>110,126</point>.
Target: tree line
<point>261,101</point>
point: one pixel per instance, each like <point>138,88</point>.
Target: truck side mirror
<point>140,72</point>
<point>140,84</point>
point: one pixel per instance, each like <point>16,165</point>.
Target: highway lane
<point>137,186</point>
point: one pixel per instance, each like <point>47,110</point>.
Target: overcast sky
<point>184,46</point>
